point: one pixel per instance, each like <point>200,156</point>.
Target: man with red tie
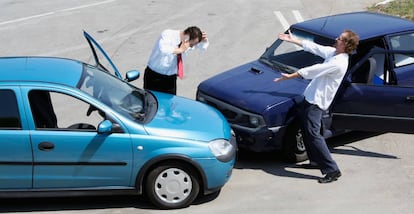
<point>166,60</point>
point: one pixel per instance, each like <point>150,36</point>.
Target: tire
<point>293,146</point>
<point>172,185</point>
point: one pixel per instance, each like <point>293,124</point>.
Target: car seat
<point>42,109</point>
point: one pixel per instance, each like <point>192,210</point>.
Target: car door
<point>102,60</point>
<point>385,102</point>
<point>68,151</point>
<point>15,148</point>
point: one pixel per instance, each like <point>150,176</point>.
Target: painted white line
<point>54,12</point>
<point>26,18</point>
<point>285,23</point>
<point>297,15</point>
<point>282,19</point>
<point>86,5</point>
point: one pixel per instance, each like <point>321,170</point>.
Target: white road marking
<point>285,23</point>
<point>297,15</point>
<point>54,12</point>
<point>87,5</point>
<point>26,18</point>
<point>282,20</point>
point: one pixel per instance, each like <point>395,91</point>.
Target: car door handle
<point>46,146</point>
<point>409,98</point>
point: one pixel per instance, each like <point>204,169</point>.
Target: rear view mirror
<point>132,75</point>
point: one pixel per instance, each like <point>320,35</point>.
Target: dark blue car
<point>377,93</point>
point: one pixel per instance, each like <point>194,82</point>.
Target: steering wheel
<point>92,109</point>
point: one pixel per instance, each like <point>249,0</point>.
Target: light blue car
<point>69,128</point>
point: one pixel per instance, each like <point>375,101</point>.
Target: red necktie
<point>180,67</point>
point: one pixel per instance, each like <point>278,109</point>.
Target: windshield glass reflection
<point>287,57</point>
<point>120,96</point>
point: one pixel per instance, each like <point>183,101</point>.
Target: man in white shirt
<point>170,48</point>
<point>319,94</point>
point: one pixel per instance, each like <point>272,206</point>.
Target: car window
<point>119,95</point>
<point>9,111</point>
<point>288,57</point>
<point>294,56</point>
<point>372,70</point>
<point>403,43</point>
<point>54,110</point>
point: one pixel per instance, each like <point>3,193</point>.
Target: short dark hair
<point>194,33</point>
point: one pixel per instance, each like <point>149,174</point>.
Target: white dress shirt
<point>162,59</point>
<point>326,77</point>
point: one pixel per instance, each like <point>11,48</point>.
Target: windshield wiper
<point>267,62</point>
<point>284,67</point>
<point>275,65</point>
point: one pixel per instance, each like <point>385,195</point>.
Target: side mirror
<point>132,75</point>
<point>105,127</point>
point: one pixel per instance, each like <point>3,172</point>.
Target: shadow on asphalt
<point>85,203</point>
<point>73,203</point>
<point>344,140</point>
<point>273,163</point>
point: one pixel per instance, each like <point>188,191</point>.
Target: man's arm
<point>183,47</point>
<point>290,38</point>
<point>286,76</point>
<point>203,45</point>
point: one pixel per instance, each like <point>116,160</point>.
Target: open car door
<point>110,66</point>
<point>384,101</point>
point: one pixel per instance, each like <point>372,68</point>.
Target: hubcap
<point>173,185</point>
<point>300,145</point>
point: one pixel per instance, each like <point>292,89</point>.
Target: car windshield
<point>288,58</point>
<point>119,95</point>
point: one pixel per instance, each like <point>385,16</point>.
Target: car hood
<point>180,117</point>
<point>251,87</point>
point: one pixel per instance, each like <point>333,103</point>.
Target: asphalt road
<point>378,169</point>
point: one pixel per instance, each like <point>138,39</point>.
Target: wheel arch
<point>291,152</point>
<point>153,163</point>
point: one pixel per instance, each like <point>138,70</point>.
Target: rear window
<point>403,43</point>
<point>9,112</point>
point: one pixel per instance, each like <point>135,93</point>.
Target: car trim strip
<point>82,163</point>
<point>372,116</point>
<point>64,163</point>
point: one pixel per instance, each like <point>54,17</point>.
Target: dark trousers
<point>315,144</point>
<point>159,82</point>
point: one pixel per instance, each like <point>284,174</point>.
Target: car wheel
<point>293,146</point>
<point>172,186</point>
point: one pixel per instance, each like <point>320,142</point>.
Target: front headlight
<point>222,149</point>
<point>254,121</point>
<point>201,99</point>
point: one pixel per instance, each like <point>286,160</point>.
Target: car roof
<point>366,24</point>
<point>40,69</point>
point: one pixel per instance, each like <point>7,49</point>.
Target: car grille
<point>231,115</point>
<point>234,115</point>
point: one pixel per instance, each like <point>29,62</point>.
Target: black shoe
<point>330,177</point>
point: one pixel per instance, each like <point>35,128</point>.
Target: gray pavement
<point>378,170</point>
